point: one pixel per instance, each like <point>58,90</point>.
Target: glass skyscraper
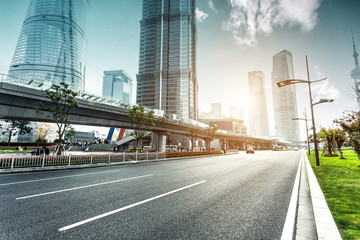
<point>167,63</point>
<point>52,43</point>
<point>258,114</point>
<point>284,98</point>
<point>117,85</point>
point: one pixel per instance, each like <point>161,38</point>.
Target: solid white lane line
<point>46,179</point>
<point>86,186</point>
<point>127,207</point>
<point>256,163</point>
<point>289,225</point>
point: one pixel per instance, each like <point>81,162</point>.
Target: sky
<point>233,38</point>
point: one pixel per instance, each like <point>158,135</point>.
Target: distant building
<point>237,112</point>
<point>117,85</point>
<point>355,74</point>
<point>216,108</point>
<point>258,114</point>
<point>230,125</point>
<point>167,63</point>
<point>81,137</point>
<point>52,44</point>
<point>284,98</point>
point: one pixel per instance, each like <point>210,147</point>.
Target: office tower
<point>52,43</point>
<point>258,114</point>
<point>216,108</point>
<point>117,85</point>
<point>284,98</point>
<point>167,67</point>
<point>355,74</point>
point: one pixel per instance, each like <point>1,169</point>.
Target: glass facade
<point>258,115</point>
<point>167,63</point>
<point>284,98</point>
<point>52,43</point>
<point>117,85</point>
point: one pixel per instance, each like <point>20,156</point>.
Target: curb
<point>324,221</point>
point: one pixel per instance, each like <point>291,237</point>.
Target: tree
<point>70,133</point>
<point>63,103</point>
<point>326,136</point>
<point>209,135</point>
<point>15,127</point>
<point>339,139</point>
<point>192,134</point>
<point>168,140</point>
<point>350,123</point>
<point>141,121</point>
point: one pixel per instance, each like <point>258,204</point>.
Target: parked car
<point>250,150</point>
<point>296,149</point>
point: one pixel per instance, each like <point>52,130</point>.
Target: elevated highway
<point>22,102</point>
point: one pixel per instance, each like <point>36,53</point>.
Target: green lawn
<point>339,180</point>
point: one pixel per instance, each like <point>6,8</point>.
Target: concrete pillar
<point>258,146</point>
<point>244,145</point>
<point>158,141</point>
<point>226,144</point>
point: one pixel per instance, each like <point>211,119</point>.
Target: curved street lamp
<point>294,81</point>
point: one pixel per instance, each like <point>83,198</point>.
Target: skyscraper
<point>216,108</point>
<point>52,43</point>
<point>258,115</point>
<point>284,99</point>
<point>355,74</point>
<point>167,63</point>
<point>117,85</point>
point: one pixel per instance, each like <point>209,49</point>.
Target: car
<point>296,149</point>
<point>250,150</point>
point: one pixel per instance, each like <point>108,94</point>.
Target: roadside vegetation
<point>339,180</point>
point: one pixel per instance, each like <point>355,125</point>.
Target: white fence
<point>19,161</point>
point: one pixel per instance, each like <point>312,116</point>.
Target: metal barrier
<point>20,161</point>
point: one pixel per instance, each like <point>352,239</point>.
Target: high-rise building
<point>216,108</point>
<point>117,85</point>
<point>284,98</point>
<point>167,63</point>
<point>52,43</point>
<point>237,112</point>
<point>258,114</point>
<point>355,74</point>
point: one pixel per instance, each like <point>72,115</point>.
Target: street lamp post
<point>307,130</point>
<point>294,81</point>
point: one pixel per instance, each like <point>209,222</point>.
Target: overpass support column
<point>244,145</point>
<point>158,141</point>
<point>258,146</point>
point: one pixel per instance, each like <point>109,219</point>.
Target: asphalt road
<point>222,197</point>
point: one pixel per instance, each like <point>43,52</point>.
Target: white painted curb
<point>325,224</point>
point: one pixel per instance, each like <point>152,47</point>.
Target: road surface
<point>239,196</point>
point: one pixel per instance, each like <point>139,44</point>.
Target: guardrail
<point>18,161</point>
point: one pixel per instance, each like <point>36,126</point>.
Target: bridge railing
<point>24,161</point>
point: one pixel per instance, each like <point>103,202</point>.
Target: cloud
<point>200,15</point>
<point>324,89</point>
<point>251,17</point>
<point>212,7</point>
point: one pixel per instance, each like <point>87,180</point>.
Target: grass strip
<point>339,180</point>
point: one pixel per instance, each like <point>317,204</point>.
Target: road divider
<point>127,207</point>
<point>86,186</point>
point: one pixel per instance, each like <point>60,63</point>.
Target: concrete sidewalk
<point>314,219</point>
